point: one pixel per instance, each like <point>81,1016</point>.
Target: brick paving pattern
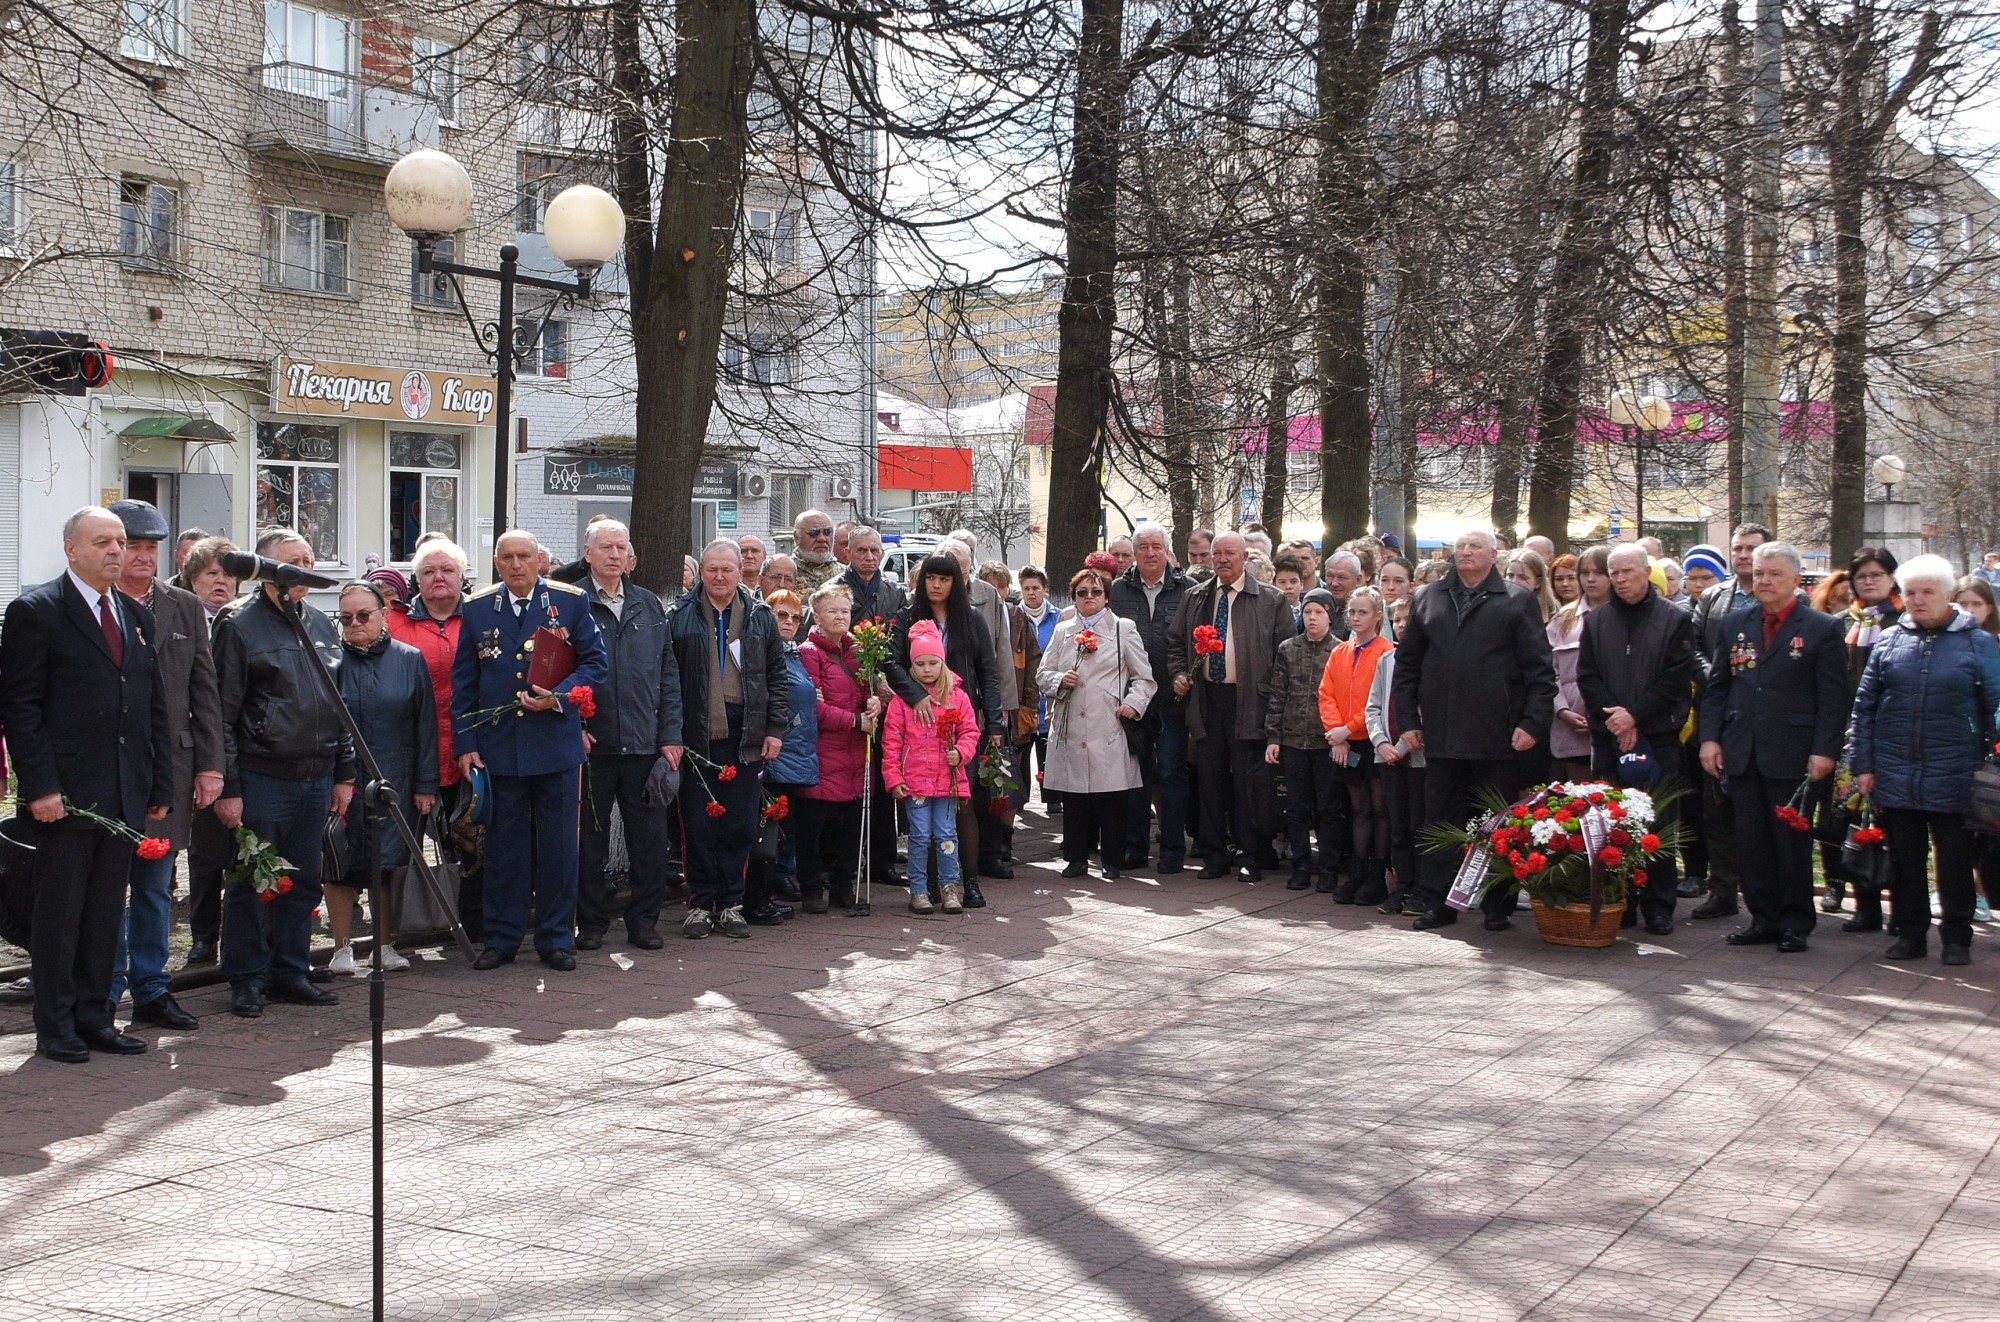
<point>1094,1100</point>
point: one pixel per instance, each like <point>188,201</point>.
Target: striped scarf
<point>1865,623</point>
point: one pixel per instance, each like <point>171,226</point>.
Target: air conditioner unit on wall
<point>756,486</point>
<point>842,488</point>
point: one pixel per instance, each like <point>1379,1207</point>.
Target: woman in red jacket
<point>429,622</point>
<point>830,812</point>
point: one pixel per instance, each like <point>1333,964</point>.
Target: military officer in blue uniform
<point>532,754</point>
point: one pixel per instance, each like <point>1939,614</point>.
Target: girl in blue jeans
<point>927,763</point>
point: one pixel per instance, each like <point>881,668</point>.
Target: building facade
<point>953,349</point>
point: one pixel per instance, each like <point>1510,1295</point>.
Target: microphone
<point>244,567</point>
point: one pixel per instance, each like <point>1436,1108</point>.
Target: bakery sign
<point>393,394</point>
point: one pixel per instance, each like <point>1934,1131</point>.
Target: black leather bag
<point>769,836</point>
<point>413,909</point>
<point>1983,814</point>
<point>1865,865</point>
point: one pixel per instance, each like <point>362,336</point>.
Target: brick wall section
<point>385,52</point>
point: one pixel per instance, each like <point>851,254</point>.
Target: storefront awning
<point>177,426</point>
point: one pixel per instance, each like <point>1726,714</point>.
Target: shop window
<point>298,483</point>
<point>424,471</point>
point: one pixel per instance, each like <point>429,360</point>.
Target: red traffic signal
<point>56,362</point>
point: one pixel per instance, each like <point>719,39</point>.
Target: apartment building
<point>197,185</point>
<point>952,349</point>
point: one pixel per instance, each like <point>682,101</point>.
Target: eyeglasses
<point>819,532</point>
<point>1088,592</point>
<point>358,617</point>
<point>793,616</point>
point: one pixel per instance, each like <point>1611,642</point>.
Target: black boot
<point>1373,887</point>
<point>1301,879</point>
<point>815,900</point>
<point>974,897</point>
<point>1836,895</point>
<point>1329,875</point>
<point>1867,911</point>
<point>1348,889</point>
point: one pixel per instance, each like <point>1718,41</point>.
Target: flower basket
<point>1571,846</point>
<point>1571,925</point>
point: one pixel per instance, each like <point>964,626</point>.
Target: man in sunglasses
<point>812,548</point>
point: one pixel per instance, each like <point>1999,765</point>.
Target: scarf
<point>1040,613</point>
<point>1865,623</point>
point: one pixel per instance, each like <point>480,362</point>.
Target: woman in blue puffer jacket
<point>1923,720</point>
<point>786,775</point>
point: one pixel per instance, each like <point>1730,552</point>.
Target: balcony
<point>322,117</point>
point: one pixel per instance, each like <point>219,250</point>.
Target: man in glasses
<point>812,548</point>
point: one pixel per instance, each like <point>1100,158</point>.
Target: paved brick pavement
<point>1135,1099</point>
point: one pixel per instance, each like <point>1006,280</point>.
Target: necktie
<point>721,641</point>
<point>521,609</point>
<point>114,637</point>
<point>1217,667</point>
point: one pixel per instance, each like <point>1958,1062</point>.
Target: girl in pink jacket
<point>930,769</point>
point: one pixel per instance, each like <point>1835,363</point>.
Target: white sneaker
<point>342,963</point>
<point>1982,912</point>
<point>392,961</point>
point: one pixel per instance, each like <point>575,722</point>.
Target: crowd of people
<point>796,731</point>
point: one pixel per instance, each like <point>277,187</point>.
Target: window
<point>434,75</point>
<point>149,222</point>
<point>298,483</point>
<point>1455,467</point>
<point>965,353</point>
<point>791,496</point>
<point>307,52</point>
<point>1808,153</point>
<point>13,208</point>
<point>761,360</point>
<point>542,176</point>
<point>1677,464</point>
<point>1924,236</point>
<point>550,355</point>
<point>773,236</point>
<point>434,290</point>
<point>305,251</point>
<point>154,30</point>
<point>1812,253</point>
<point>423,488</point>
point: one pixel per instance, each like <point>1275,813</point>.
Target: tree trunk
<point>1089,311</point>
<point>1351,55</point>
<point>1509,445</point>
<point>679,265</point>
<point>1277,447</point>
<point>1573,299</point>
<point>1847,181</point>
<point>1735,244</point>
<point>1182,493</point>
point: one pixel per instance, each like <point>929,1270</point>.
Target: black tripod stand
<point>376,792</point>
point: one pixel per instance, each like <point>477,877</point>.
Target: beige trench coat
<point>1093,757</point>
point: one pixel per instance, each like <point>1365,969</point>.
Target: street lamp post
<point>1641,417</point>
<point>1890,470</point>
<point>428,194</point>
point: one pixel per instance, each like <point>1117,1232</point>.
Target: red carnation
<point>1537,861</point>
<point>1001,805</point>
<point>585,700</point>
<point>1038,777</point>
<point>1639,877</point>
<point>1610,856</point>
<point>284,885</point>
<point>1870,835</point>
<point>727,774</point>
<point>1086,641</point>
<point>1520,872</point>
<point>1616,812</point>
<point>154,847</point>
<point>267,896</point>
<point>716,810</point>
<point>1541,814</point>
<point>1206,641</point>
<point>1500,838</point>
<point>1649,842</point>
<point>1597,796</point>
<point>1621,836</point>
<point>1577,845</point>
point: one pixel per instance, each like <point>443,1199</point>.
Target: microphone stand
<point>382,794</point>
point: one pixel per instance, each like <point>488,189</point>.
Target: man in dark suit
<point>1775,710</point>
<point>194,730</point>
<point>86,720</point>
<point>1225,716</point>
<point>1476,684</point>
<point>1718,819</point>
<point>532,754</point>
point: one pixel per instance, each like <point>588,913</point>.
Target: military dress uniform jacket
<point>491,670</point>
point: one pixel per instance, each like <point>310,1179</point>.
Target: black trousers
<point>1094,821</point>
<point>210,851</point>
<point>1451,794</point>
<point>1314,801</point>
<point>1912,833</point>
<point>1230,772</point>
<point>619,779</point>
<point>1718,829</point>
<point>80,879</point>
<point>718,847</point>
<point>1403,794</point>
<point>760,886</point>
<point>1775,860</point>
<point>1662,888</point>
<point>829,834</point>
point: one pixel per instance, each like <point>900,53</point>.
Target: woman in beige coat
<point>1095,672</point>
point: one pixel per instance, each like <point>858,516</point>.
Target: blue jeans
<point>141,962</point>
<point>933,821</point>
<point>265,941</point>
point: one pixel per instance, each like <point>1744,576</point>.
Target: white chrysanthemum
<point>1545,830</point>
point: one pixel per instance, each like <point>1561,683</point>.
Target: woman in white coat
<point>1096,671</point>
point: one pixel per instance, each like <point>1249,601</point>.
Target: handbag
<point>1865,865</point>
<point>768,837</point>
<point>1983,812</point>
<point>412,907</point>
<point>335,852</point>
